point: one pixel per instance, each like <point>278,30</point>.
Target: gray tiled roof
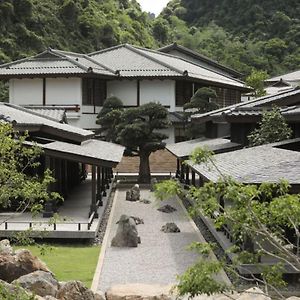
<point>24,117</point>
<point>57,114</point>
<point>258,102</point>
<point>54,62</point>
<point>133,61</point>
<point>94,149</point>
<point>198,56</point>
<point>292,76</point>
<point>184,149</point>
<point>255,165</point>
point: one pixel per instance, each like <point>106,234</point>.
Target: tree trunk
<point>144,169</point>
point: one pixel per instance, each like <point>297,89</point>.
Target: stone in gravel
<point>39,282</point>
<point>167,209</point>
<point>145,201</point>
<point>139,291</point>
<point>127,235</point>
<point>137,220</point>
<point>170,228</point>
<point>133,194</point>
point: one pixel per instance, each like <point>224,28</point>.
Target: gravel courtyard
<point>160,257</point>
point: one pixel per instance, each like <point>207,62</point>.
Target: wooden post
<point>99,195</point>
<point>193,178</point>
<point>178,168</point>
<point>181,172</point>
<point>107,178</point>
<point>187,175</point>
<point>93,207</point>
<point>103,186</point>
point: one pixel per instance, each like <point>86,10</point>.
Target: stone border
<point>98,270</point>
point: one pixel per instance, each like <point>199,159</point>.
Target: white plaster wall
<point>162,91</point>
<point>170,132</point>
<point>125,90</point>
<point>26,91</point>
<point>63,91</point>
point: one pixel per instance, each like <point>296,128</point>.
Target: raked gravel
<point>160,257</point>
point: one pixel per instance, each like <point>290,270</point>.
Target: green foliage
<point>256,81</point>
<point>109,117</point>
<point>258,214</point>
<point>272,128</point>
<point>6,293</point>
<point>17,162</point>
<point>4,92</point>
<point>167,189</point>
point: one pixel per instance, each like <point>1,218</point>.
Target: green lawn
<point>69,262</point>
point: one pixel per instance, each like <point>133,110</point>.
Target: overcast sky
<point>154,6</point>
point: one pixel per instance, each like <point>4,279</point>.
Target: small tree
<point>201,102</point>
<point>109,117</point>
<point>272,128</point>
<point>17,163</point>
<point>138,132</point>
<point>253,214</point>
<point>256,81</point>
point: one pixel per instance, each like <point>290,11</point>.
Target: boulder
<point>137,220</point>
<point>22,262</point>
<point>170,228</point>
<point>133,194</point>
<point>139,292</point>
<point>293,298</point>
<point>49,298</point>
<point>5,247</point>
<point>75,290</point>
<point>99,295</point>
<point>39,282</point>
<point>253,294</point>
<point>167,209</point>
<point>127,235</point>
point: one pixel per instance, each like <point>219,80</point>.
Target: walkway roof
<point>267,163</point>
<point>219,145</point>
<point>25,119</point>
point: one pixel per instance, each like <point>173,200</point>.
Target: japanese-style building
<point>81,82</point>
<point>67,151</point>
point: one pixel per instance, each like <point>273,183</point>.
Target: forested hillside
<point>242,34</point>
<point>30,26</point>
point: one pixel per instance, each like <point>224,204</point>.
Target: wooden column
<point>178,169</point>
<point>187,175</point>
<point>99,195</point>
<point>103,185</point>
<point>93,207</point>
<point>106,178</point>
<point>193,178</point>
<point>181,172</point>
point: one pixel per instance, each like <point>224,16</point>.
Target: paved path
<point>159,258</point>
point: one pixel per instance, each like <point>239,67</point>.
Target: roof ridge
<point>137,49</point>
<point>75,62</point>
<point>196,53</point>
<point>190,62</point>
<point>100,64</point>
<point>106,49</point>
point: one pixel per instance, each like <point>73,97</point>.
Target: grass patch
<point>69,262</point>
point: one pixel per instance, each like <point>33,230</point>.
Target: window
<point>93,91</point>
<point>184,92</point>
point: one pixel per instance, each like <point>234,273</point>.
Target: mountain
<point>30,26</point>
<point>243,34</point>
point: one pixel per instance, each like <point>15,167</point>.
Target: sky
<point>154,6</point>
